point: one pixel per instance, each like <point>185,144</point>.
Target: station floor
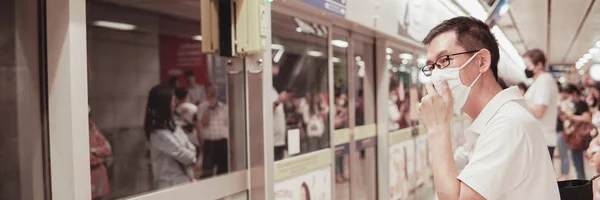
<point>426,193</point>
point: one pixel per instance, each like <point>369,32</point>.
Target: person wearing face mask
<point>505,148</point>
<point>542,95</point>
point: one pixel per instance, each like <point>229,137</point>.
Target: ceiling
<point>564,29</point>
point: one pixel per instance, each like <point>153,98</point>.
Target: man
<point>279,123</point>
<point>195,90</point>
<point>213,123</point>
<point>507,156</point>
<point>573,117</point>
<point>542,96</point>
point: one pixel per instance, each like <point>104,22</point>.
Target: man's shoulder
<point>513,114</point>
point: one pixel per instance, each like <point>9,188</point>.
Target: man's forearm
<point>447,186</point>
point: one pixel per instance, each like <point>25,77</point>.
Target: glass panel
<point>239,196</point>
<point>21,134</point>
<point>160,114</point>
<point>341,136</point>
<point>365,132</point>
<point>399,64</point>
<point>300,83</point>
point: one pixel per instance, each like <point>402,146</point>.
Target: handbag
<point>315,126</point>
<point>577,135</point>
<point>576,189</point>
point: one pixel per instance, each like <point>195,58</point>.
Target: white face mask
<point>460,92</point>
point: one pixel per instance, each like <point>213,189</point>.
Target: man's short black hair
<point>471,34</point>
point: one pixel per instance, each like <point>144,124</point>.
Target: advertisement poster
<point>335,6</point>
<point>402,170</point>
<point>423,167</point>
<point>315,185</point>
<point>182,62</point>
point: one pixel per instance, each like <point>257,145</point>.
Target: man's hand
<point>283,96</point>
<point>436,111</point>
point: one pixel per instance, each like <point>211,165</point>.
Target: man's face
<point>529,64</point>
<point>275,70</point>
<point>447,43</point>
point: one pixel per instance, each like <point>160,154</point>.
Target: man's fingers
<point>430,89</point>
<point>446,93</point>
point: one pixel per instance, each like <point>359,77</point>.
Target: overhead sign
<point>337,7</point>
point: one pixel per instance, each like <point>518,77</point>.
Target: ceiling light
<point>115,25</point>
<point>336,60</point>
<point>579,65</point>
<point>594,50</point>
<point>598,44</point>
<point>389,50</point>
<point>581,72</point>
<point>587,56</point>
<point>405,62</point>
<point>388,57</point>
<point>299,30</point>
<point>314,53</point>
<point>197,37</point>
<point>406,56</point>
<point>339,43</point>
<point>504,9</point>
<point>595,72</point>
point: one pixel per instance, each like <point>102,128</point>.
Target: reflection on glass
<point>21,171</point>
<point>365,115</point>
<point>399,64</point>
<point>160,103</point>
<point>341,117</point>
<point>300,86</point>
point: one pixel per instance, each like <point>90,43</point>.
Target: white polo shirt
<point>507,155</point>
<point>544,91</point>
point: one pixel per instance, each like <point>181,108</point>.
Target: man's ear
<point>485,60</point>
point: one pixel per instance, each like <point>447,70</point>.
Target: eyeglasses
<point>442,62</point>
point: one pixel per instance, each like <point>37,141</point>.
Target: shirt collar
<point>509,94</point>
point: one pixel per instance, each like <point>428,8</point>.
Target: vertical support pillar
<point>382,81</point>
<point>68,99</point>
<point>259,115</point>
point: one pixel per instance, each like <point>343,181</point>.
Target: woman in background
<point>99,151</point>
<point>172,155</point>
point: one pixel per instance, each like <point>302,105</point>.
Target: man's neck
<point>536,75</point>
<point>487,91</point>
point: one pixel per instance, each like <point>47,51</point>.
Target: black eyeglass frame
<point>427,69</point>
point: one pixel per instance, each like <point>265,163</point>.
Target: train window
<point>21,135</point>
<point>399,65</point>
<point>300,86</point>
<point>341,135</point>
<point>365,132</point>
<point>160,115</point>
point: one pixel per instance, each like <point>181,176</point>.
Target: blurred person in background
<point>542,95</point>
<point>340,121</point>
<point>575,126</point>
<point>279,120</point>
<point>186,115</point>
<point>100,151</point>
<point>213,122</point>
<point>565,106</point>
<point>394,115</point>
<point>172,155</point>
<point>196,91</point>
<point>314,112</point>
